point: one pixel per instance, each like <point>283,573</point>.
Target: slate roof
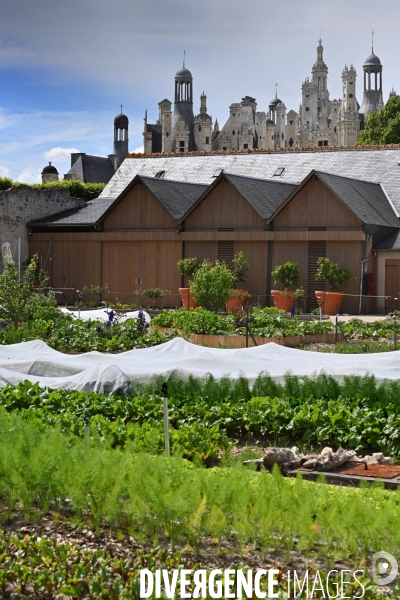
<point>87,216</point>
<point>175,196</point>
<point>379,166</point>
<point>92,169</point>
<point>264,195</point>
<point>156,138</point>
<point>392,242</point>
<point>365,199</point>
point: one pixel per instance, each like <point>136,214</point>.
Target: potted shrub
<point>211,285</point>
<point>188,268</point>
<point>336,277</point>
<point>287,276</point>
<point>239,268</point>
<point>153,294</point>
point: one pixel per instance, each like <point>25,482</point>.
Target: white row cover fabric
<point>113,373</point>
<point>102,315</point>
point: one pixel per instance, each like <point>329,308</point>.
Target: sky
<point>67,65</point>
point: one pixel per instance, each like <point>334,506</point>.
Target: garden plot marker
<point>164,391</point>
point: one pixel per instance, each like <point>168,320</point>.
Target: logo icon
<point>384,568</point>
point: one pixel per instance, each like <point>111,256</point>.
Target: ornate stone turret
<point>49,173</point>
<point>183,110</point>
<point>372,97</point>
<point>121,139</point>
<point>203,126</point>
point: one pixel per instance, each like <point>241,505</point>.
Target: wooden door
<point>392,282</point>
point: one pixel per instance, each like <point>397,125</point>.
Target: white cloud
<point>59,155</point>
<point>30,175</point>
<point>139,150</point>
<point>4,172</point>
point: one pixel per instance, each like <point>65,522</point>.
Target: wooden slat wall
<point>125,263</point>
<point>140,241</point>
<point>224,208</point>
<point>316,206</point>
<point>256,254</point>
<point>139,210</point>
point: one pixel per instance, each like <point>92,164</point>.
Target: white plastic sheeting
<point>101,314</point>
<point>113,373</point>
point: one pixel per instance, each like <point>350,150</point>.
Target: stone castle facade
<point>319,122</point>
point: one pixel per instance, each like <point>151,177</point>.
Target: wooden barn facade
<point>134,240</point>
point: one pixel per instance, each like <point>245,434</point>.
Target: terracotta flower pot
<point>237,302</point>
<point>330,301</point>
<point>187,299</point>
<point>282,302</point>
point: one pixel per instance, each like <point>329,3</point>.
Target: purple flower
<point>108,324</point>
<point>111,316</point>
<point>3,324</point>
<point>146,325</point>
<point>99,329</point>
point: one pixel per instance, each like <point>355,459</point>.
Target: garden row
<point>208,417</point>
<point>159,498</point>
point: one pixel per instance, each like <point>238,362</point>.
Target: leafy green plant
<point>153,293</point>
<point>333,274</point>
<point>211,285</point>
<point>188,266</point>
<point>96,290</point>
<point>286,275</point>
<point>239,268</point>
<point>17,300</point>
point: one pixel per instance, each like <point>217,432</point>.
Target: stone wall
<point>22,204</point>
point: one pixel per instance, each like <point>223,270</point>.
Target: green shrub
<point>211,285</point>
<point>188,266</point>
<point>77,189</point>
<point>333,274</point>
<point>286,275</point>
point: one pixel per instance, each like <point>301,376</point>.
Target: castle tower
<point>165,120</point>
<point>280,124</point>
<point>372,97</point>
<point>121,124</point>
<point>348,124</point>
<point>183,111</point>
<point>49,173</point>
<point>203,127</point>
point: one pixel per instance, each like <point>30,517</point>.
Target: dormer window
<point>278,172</point>
<point>160,175</point>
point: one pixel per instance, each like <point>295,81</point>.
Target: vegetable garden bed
<point>239,341</point>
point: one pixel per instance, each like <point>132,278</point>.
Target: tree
<point>382,127</point>
<point>17,301</point>
<point>211,286</point>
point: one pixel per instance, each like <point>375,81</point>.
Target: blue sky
<point>66,65</point>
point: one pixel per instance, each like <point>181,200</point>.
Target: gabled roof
<point>365,199</point>
<point>263,195</point>
<point>378,165</point>
<point>92,169</point>
<point>175,196</point>
<point>391,243</point>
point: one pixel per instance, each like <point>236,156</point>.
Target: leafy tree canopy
<point>77,189</point>
<point>383,127</point>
